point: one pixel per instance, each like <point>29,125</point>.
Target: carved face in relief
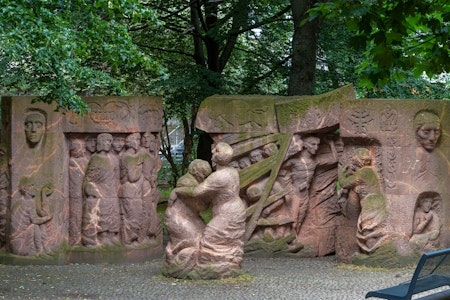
<point>76,148</point>
<point>363,157</point>
<point>426,204</point>
<point>91,144</point>
<point>34,128</point>
<point>428,129</point>
<point>132,141</point>
<point>311,144</point>
<point>104,142</point>
<point>148,140</point>
<point>256,155</point>
<point>118,143</point>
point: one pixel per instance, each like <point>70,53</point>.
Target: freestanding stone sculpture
<point>62,195</point>
<point>221,247</point>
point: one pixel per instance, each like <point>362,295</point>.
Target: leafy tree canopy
<point>396,35</point>
<point>60,49</point>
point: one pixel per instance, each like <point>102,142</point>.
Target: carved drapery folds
<point>330,174</point>
<point>83,181</point>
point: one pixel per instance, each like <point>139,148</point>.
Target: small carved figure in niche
<point>130,192</point>
<point>427,126</point>
<point>35,127</point>
<point>302,166</point>
<point>77,167</point>
<point>428,129</point>
<point>426,223</point>
<point>28,215</point>
<point>363,180</point>
<point>101,213</point>
<point>151,221</point>
<point>221,246</point>
<point>4,193</point>
<point>183,222</point>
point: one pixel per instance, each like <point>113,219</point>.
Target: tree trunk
<point>304,50</point>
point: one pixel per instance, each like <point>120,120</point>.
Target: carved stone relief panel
<point>411,159</point>
<point>69,175</point>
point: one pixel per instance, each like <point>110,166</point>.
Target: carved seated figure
<point>426,223</point>
<point>28,216</point>
<point>362,179</point>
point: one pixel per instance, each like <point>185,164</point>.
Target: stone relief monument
<point>71,186</point>
<point>330,174</point>
<point>206,251</point>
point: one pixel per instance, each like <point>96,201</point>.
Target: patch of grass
<point>241,279</point>
<point>351,267</point>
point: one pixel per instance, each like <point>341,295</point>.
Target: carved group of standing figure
<point>113,194</point>
<point>196,249</point>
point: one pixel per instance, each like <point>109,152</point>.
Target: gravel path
<point>268,278</point>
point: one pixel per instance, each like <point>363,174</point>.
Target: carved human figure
<point>4,193</point>
<point>35,128</point>
<point>302,166</point>
<point>221,246</point>
<point>130,192</point>
<point>362,179</point>
<point>101,213</point>
<point>77,168</point>
<point>28,216</point>
<point>184,224</point>
<point>426,222</point>
<point>149,202</point>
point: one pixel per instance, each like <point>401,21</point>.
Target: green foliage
<point>411,87</point>
<point>396,35</point>
<point>60,50</point>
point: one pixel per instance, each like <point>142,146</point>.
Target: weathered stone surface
<point>206,251</point>
<point>342,175</point>
<point>64,175</point>
<point>409,147</point>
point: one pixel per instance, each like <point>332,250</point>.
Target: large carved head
<point>428,129</point>
<point>35,127</point>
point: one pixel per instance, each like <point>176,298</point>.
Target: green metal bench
<point>432,271</point>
